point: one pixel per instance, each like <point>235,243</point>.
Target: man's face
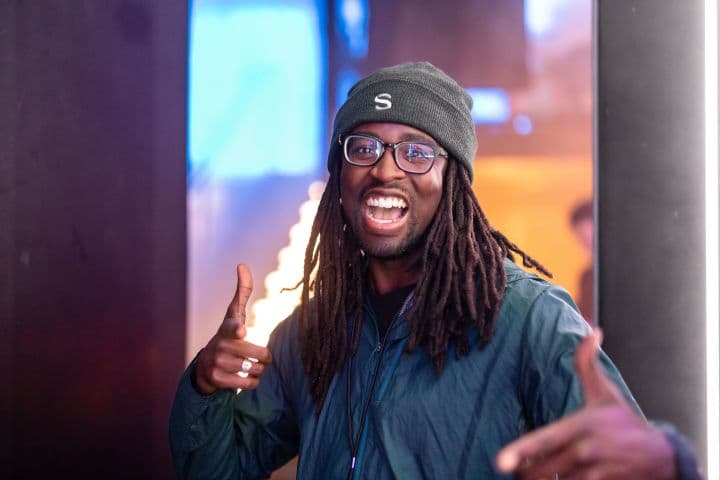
<point>388,209</point>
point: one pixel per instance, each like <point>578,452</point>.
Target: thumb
<point>244,288</point>
<point>597,388</point>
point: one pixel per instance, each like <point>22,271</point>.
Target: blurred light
<point>541,16</point>
<point>255,97</point>
<point>353,26</point>
<point>523,125</point>
<point>346,79</point>
<point>712,245</point>
<point>277,304</point>
<point>490,105</point>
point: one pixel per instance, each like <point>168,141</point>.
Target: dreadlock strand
<point>528,261</point>
<point>460,288</point>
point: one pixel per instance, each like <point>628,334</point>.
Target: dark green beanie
<point>415,94</point>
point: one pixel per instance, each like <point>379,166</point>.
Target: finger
<point>233,328</point>
<point>233,381</point>
<point>542,442</point>
<point>563,462</point>
<point>597,388</point>
<point>597,471</point>
<point>244,288</point>
<point>232,364</point>
<point>242,349</point>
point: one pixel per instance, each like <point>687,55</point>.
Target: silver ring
<point>246,365</point>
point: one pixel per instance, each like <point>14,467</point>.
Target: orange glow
<point>276,305</point>
<point>529,199</point>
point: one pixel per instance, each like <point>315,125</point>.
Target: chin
<point>389,251</point>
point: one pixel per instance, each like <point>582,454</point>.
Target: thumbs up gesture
<point>228,361</point>
<point>605,439</point>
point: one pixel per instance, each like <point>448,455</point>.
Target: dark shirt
<point>387,305</point>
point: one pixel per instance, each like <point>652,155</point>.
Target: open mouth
<point>386,209</point>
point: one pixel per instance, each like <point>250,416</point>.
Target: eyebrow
<point>407,137</point>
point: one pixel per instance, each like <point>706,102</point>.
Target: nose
<point>386,170</point>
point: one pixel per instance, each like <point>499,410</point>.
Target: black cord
<point>348,371</point>
<point>354,445</point>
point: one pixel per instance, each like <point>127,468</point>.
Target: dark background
<point>92,243</point>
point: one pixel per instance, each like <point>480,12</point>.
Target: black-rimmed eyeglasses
<point>411,157</point>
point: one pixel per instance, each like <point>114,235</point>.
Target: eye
<point>362,149</point>
<point>418,153</point>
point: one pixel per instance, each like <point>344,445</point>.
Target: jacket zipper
<point>356,446</point>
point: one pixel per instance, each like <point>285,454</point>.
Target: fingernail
<point>507,461</point>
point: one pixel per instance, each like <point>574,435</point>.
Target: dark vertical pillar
<point>7,240</point>
<point>93,240</point>
<point>650,188</point>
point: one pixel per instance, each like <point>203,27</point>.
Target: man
<point>419,350</point>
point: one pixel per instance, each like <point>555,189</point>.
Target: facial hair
<point>393,248</point>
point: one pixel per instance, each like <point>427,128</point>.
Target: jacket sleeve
<point>553,330</point>
<point>233,436</point>
<point>686,461</point>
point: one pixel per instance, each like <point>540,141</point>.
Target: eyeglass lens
<point>410,156</point>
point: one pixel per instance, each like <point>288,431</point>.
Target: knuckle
<point>216,377</point>
<point>234,325</point>
<point>585,452</point>
<point>258,369</point>
<point>221,362</point>
<point>215,361</point>
<point>266,356</point>
<point>222,344</point>
<point>587,423</point>
<point>229,347</point>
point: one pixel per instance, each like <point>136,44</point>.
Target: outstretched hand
<point>228,361</point>
<point>604,440</point>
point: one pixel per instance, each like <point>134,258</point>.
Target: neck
<point>390,274</point>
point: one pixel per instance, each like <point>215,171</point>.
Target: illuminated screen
<point>255,77</point>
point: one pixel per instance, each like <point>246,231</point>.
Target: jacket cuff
<point>193,414</point>
<point>685,458</point>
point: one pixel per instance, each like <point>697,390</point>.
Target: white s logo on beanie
<point>382,101</point>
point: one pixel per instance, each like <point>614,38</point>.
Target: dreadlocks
<point>461,286</point>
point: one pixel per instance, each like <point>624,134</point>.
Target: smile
<point>385,209</point>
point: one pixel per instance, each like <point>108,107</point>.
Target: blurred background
<point>150,145</point>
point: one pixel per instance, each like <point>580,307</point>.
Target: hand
<point>605,439</point>
<point>228,361</point>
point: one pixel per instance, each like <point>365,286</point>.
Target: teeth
<point>386,202</point>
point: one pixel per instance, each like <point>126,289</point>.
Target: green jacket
<point>418,425</point>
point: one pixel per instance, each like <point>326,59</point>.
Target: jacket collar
<point>399,328</point>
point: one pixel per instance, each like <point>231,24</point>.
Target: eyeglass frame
<point>437,151</point>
